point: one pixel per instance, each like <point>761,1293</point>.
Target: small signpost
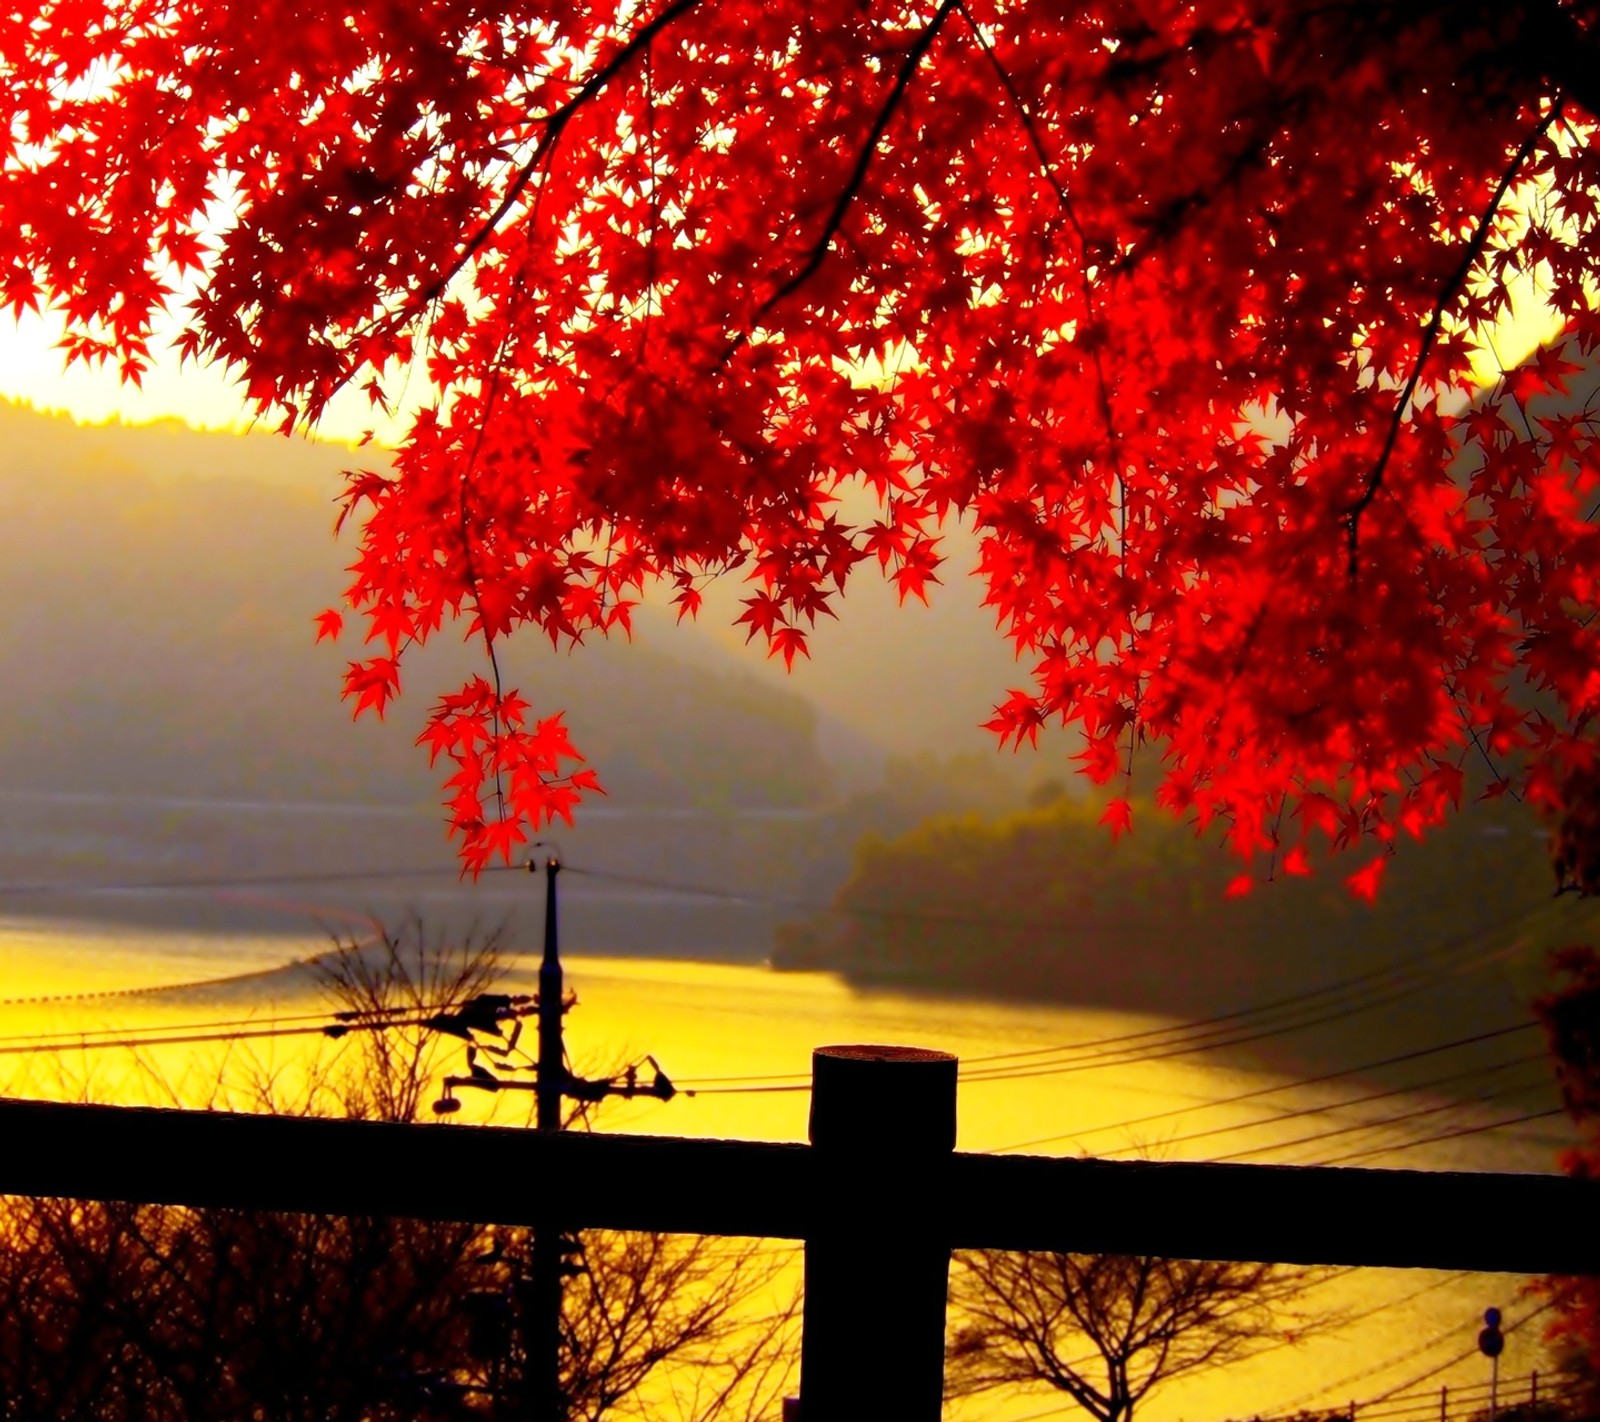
<point>1492,1343</point>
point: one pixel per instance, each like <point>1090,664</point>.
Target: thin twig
<point>1103,385</point>
<point>554,123</point>
<point>858,174</point>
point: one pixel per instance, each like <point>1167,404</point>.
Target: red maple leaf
<point>1364,882</point>
<point>1118,815</point>
<point>1154,319</point>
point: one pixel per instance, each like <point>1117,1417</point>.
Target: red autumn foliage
<point>1173,301</point>
<point>1571,1018</point>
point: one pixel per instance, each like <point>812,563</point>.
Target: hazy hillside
<point>159,586</point>
<point>168,717</point>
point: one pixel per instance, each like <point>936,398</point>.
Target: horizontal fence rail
<point>1287,1214</point>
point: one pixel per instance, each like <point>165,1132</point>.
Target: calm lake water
<point>706,1023</point>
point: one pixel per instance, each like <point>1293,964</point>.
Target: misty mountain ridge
<point>160,640</point>
<point>167,713</point>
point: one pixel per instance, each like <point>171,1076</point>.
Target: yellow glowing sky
<point>31,370</point>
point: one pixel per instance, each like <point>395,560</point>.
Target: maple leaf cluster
<point>1570,1015</point>
<point>1175,302</point>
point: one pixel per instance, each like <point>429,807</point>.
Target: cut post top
<point>883,1099</point>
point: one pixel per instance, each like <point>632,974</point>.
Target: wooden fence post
<point>877,1264</point>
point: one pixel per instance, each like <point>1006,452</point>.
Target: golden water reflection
<point>741,1037</point>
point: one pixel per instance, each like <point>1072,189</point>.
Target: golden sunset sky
<point>32,371</point>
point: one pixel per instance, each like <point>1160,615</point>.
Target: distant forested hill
<point>1044,905</point>
<point>158,588</point>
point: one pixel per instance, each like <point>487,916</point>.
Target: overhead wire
<point>1213,1041</point>
<point>1285,1410</point>
<point>185,985</point>
<point>1208,1038</point>
<point>1346,997</point>
<point>1414,1115</point>
<point>1366,991</point>
<point>1464,1356</point>
<point>75,1035</point>
<point>1061,1053</point>
<point>1329,1108</point>
<point>213,881</point>
<point>1181,1039</point>
<point>1205,1034</point>
<point>1446,1136</point>
<point>1333,988</point>
<point>1273,1090</point>
<point>185,1036</point>
<point>1196,1042</point>
<point>47,999</point>
<point>690,1089</point>
<point>1410,975</point>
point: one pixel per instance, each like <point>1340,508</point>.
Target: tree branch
<point>858,174</point>
<point>1447,293</point>
<point>554,123</point>
<point>1102,381</point>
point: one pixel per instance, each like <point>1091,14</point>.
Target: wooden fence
<point>880,1197</point>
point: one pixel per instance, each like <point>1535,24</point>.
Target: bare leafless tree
<point>390,995</point>
<point>653,1325</point>
<point>133,1313</point>
<point>1106,1329</point>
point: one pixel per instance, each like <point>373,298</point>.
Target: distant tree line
<point>1042,903</point>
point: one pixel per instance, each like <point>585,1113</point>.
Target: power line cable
<point>1208,1037</point>
<point>234,881</point>
<point>73,1036</point>
<point>189,985</point>
<point>1203,1041</point>
<point>133,1041</point>
<point>1213,1042</point>
<point>690,1090</point>
<point>1462,1357</point>
<point>1382,1124</point>
<point>1336,987</point>
<point>1192,1036</point>
<point>1205,1033</point>
<point>779,1076</point>
<point>1274,1090</point>
<point>1285,1410</point>
<point>155,989</point>
<point>1097,1052</point>
<point>1401,971</point>
<point>1445,1136</point>
<point>992,921</point>
<point>1330,1108</point>
<point>1410,978</point>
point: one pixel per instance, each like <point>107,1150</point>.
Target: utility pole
<point>542,1305</point>
<point>478,1023</point>
<point>552,1052</point>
